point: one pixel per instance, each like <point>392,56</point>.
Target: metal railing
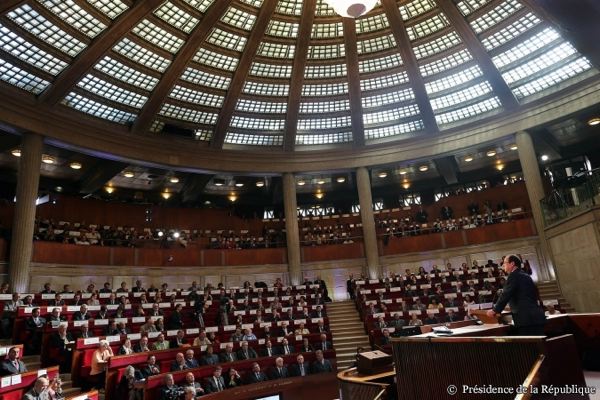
<point>567,201</point>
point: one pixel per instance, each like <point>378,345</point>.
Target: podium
<point>373,362</point>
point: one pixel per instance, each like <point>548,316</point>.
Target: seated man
<point>190,382</point>
<point>82,314</point>
<point>286,348</point>
<point>215,383</point>
<point>398,322</point>
<point>279,371</point>
<point>248,335</point>
<point>11,364</point>
<point>160,343</point>
<point>299,368</point>
<point>228,355</point>
<point>256,375</point>
<point>451,316</point>
<point>306,346</point>
<point>210,358</point>
<point>321,365</point>
<point>385,339</point>
<point>179,340</point>
<point>151,367</point>
<point>38,390</point>
<point>324,344</point>
<point>190,360</point>
<point>179,363</point>
<point>60,342</point>
<point>34,326</point>
<point>431,319</point>
<point>142,345</point>
<point>268,350</point>
<point>380,324</point>
<point>245,352</point>
<point>55,317</point>
<point>170,391</point>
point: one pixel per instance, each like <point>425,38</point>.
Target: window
<point>97,109</point>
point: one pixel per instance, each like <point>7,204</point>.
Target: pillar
<point>21,244</point>
<point>363,183</point>
<point>535,190</point>
<point>290,206</point>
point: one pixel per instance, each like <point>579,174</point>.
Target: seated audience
<point>256,375</point>
<point>321,365</point>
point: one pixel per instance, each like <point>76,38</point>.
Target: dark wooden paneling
<point>3,250</point>
<point>255,256</point>
<point>212,257</point>
<point>454,239</point>
<point>332,252</point>
<point>123,256</point>
<point>50,252</point>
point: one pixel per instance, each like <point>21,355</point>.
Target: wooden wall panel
<point>255,256</point>
<point>212,257</point>
<point>123,256</point>
<point>332,252</point>
<point>3,250</point>
<point>454,239</point>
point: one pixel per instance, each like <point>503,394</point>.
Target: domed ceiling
<point>286,74</point>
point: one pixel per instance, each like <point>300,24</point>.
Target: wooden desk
<point>364,387</point>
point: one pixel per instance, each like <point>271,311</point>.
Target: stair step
<point>353,338</point>
<point>345,323</point>
<point>72,391</point>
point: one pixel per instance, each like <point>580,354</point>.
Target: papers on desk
<point>442,331</point>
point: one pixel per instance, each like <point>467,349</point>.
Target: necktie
<point>324,345</point>
<point>279,369</point>
<point>16,364</point>
<point>302,369</point>
<point>246,354</point>
<point>269,350</point>
<point>257,376</point>
<point>218,382</point>
<point>287,350</point>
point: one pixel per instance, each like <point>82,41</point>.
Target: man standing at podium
<point>522,295</point>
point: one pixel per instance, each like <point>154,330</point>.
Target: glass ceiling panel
<point>266,89</point>
<point>238,18</point>
<point>125,73</point>
<point>427,27</point>
<point>511,31</point>
<point>282,29</point>
<point>327,31</point>
<point>262,124</point>
<point>97,109</point>
<point>324,71</point>
<point>495,16</point>
<point>276,50</point>
<point>141,55</point>
<point>111,92</point>
<point>215,60</point>
<point>394,114</point>
<point>326,51</point>
<point>14,44</point>
<point>415,8</point>
<point>453,80</point>
<point>324,106</point>
<point>271,70</point>
<point>324,10</point>
<point>325,89</point>
<point>261,107</point>
<point>461,96</point>
<point>384,81</point>
<point>30,20</point>
<point>176,17</point>
<point>474,110</point>
<point>70,12</point>
<point>253,139</point>
<point>110,8</point>
<point>376,44</point>
<point>372,23</point>
<point>394,97</point>
<point>327,138</point>
<point>305,124</point>
<point>393,130</point>
<point>196,97</point>
<point>226,40</point>
<point>158,36</point>
<point>188,114</point>
<point>21,78</point>
<point>443,64</point>
<point>437,45</point>
<point>200,5</point>
<point>207,79</point>
<point>289,7</point>
<point>379,64</point>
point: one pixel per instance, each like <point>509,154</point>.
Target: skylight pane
<point>511,31</point>
<point>270,70</point>
<point>495,16</point>
<point>467,7</point>
<point>141,55</point>
<point>326,51</point>
<point>327,31</point>
<point>226,40</point>
<point>324,71</point>
<point>547,60</point>
<point>200,5</point>
<point>253,139</point>
<point>394,114</point>
<point>379,64</point>
<point>196,97</point>
<point>461,96</point>
<point>125,73</point>
<point>371,23</point>
<point>384,81</point>
<point>97,109</point>
<point>473,110</point>
<point>427,27</point>
<point>110,8</point>
<point>188,114</point>
<point>443,64</point>
<point>383,99</point>
<point>262,124</point>
<point>207,79</point>
<point>393,130</point>
<point>453,80</point>
<point>282,29</point>
<point>324,106</point>
<point>261,107</point>
<point>215,60</point>
<point>70,12</point>
<point>21,78</point>
<point>266,89</point>
<point>154,34</point>
<point>239,19</point>
<point>276,50</point>
<point>305,124</point>
<point>376,44</point>
<point>30,20</point>
<point>289,7</point>
<point>416,8</point>
<point>526,48</point>
<point>31,54</point>
<point>327,138</point>
<point>325,89</point>
<point>111,92</point>
<point>437,45</point>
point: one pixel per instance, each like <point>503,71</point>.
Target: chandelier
<point>352,8</point>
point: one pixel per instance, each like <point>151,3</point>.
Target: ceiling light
<point>499,166</point>
<point>128,174</point>
<point>321,182</point>
<point>406,184</point>
<point>75,165</point>
<point>468,158</point>
<point>58,189</point>
<point>301,183</point>
<point>166,195</point>
<point>232,197</point>
<point>239,184</point>
<point>351,8</point>
<point>109,189</point>
<point>174,179</point>
<point>219,183</point>
<point>423,168</point>
<point>176,235</point>
<point>594,121</point>
<point>319,195</point>
<point>16,152</point>
<point>491,153</point>
<point>403,172</point>
<point>340,179</point>
<point>48,160</point>
<point>545,157</point>
<point>207,202</point>
<point>513,147</point>
<point>382,175</point>
<point>260,183</point>
<point>160,233</point>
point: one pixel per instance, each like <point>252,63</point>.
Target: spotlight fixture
<point>406,185</point>
<point>352,8</point>
<point>75,165</point>
<point>403,172</point>
<point>545,157</point>
<point>499,166</point>
<point>301,183</point>
<point>382,174</point>
<point>468,158</point>
<point>594,121</point>
<point>175,235</point>
<point>321,182</point>
<point>59,189</point>
<point>16,152</point>
<point>166,195</point>
<point>260,183</point>
<point>491,153</point>
<point>109,189</point>
<point>207,202</point>
<point>424,168</point>
<point>128,174</point>
<point>174,179</point>
<point>48,160</point>
<point>319,195</point>
<point>232,197</point>
<point>239,184</point>
<point>161,233</point>
<point>340,179</point>
<point>219,182</point>
<point>513,146</point>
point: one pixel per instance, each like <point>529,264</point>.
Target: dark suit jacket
<point>138,349</point>
<point>175,321</point>
<point>226,357</point>
<point>193,363</point>
<point>306,349</point>
<point>294,369</point>
<point>264,353</point>
<point>281,349</point>
<point>147,371</point>
<point>209,360</point>
<point>319,346</point>
<point>397,323</point>
<point>176,367</point>
<point>174,344</point>
<point>57,342</point>
<point>31,326</point>
<point>230,383</point>
<point>7,367</point>
<point>522,296</point>
<point>251,354</point>
<point>211,386</point>
<point>77,316</point>
<point>275,374</point>
<point>252,378</point>
<point>318,368</point>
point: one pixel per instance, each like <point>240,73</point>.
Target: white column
<point>363,183</point>
<point>290,206</point>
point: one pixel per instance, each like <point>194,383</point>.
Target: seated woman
<point>415,321</point>
<point>99,362</point>
<point>468,301</point>
<point>434,305</point>
<point>301,330</point>
<point>126,348</point>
